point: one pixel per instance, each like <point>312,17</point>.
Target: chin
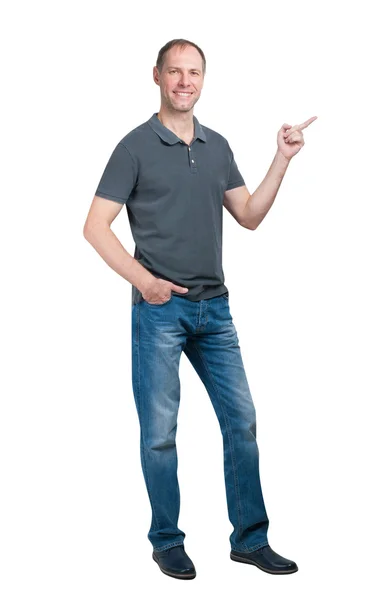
<point>186,108</point>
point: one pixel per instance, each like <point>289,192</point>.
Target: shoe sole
<point>172,574</point>
<point>251,562</point>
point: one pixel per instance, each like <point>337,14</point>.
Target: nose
<point>184,80</point>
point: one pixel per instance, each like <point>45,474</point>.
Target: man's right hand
<point>160,291</point>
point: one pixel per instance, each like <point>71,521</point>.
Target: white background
<point>307,295</point>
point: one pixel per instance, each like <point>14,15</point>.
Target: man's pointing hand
<point>290,139</point>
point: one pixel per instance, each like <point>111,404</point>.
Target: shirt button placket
<point>192,160</point>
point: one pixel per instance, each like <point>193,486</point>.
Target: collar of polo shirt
<point>171,138</point>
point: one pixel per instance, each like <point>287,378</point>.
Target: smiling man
<point>174,175</point>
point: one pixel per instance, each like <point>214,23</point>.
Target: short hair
<point>182,43</point>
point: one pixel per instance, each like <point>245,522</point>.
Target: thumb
<point>178,288</point>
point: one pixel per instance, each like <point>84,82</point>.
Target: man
<point>175,175</point>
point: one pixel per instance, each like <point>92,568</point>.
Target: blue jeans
<point>205,331</point>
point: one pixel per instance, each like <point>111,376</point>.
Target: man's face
<point>182,71</point>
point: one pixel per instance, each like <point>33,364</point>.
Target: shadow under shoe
<point>267,560</point>
<point>175,562</point>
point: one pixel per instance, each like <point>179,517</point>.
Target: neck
<point>181,123</point>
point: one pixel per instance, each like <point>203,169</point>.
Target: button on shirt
<point>173,194</point>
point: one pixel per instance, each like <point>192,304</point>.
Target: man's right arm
<point>98,233</point>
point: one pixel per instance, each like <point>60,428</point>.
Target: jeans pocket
<point>162,304</point>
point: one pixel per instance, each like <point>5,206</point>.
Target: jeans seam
<point>252,549</point>
<point>236,483</point>
<point>172,545</point>
<point>140,415</point>
<point>137,324</point>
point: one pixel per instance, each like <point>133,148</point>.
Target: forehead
<point>187,56</point>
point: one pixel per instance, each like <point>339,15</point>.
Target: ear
<point>156,77</point>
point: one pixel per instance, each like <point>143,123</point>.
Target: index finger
<point>306,123</point>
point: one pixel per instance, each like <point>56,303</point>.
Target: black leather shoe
<point>175,562</point>
<point>267,560</point>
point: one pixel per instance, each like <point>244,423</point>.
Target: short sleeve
<point>235,179</point>
<point>119,177</point>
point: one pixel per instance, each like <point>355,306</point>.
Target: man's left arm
<point>250,210</point>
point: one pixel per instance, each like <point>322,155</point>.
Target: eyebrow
<point>193,68</point>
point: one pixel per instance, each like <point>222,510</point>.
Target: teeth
<point>183,94</point>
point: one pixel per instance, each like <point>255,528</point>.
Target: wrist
<point>146,281</point>
<point>280,158</point>
<point>139,276</point>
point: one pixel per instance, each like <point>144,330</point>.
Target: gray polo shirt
<point>173,194</point>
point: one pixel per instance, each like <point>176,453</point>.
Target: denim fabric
<point>205,331</point>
